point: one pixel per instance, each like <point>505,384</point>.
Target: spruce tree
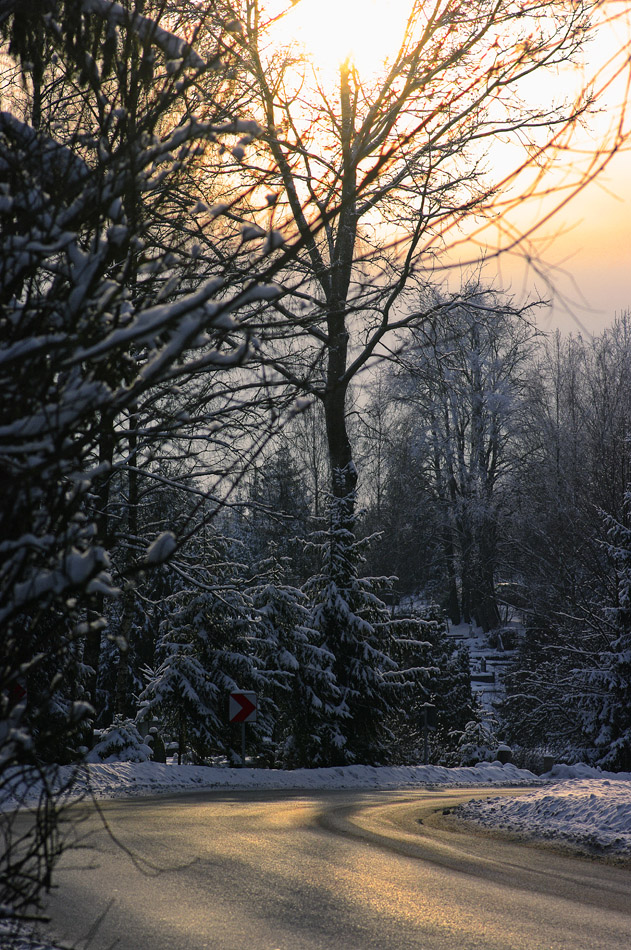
<point>608,721</point>
<point>301,696</point>
<point>354,625</point>
<point>206,649</point>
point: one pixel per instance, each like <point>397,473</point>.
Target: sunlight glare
<point>367,32</point>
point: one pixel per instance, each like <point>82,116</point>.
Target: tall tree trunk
<point>485,608</point>
<point>121,695</point>
<point>343,471</point>
<point>453,604</point>
<point>92,645</point>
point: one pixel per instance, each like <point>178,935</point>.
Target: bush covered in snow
<point>477,743</point>
<point>120,742</point>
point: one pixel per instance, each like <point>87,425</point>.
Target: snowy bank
<point>122,779</point>
<point>591,812</point>
<point>132,779</point>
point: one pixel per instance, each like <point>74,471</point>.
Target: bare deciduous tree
<point>403,157</point>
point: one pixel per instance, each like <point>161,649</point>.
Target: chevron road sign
<point>242,706</point>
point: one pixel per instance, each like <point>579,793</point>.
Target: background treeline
<point>495,471</point>
<point>495,463</point>
<point>501,472</point>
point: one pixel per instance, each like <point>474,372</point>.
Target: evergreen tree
<point>279,515</point>
<point>439,671</point>
<point>301,696</point>
<point>537,710</point>
<point>568,688</point>
<point>207,648</point>
<point>355,627</point>
<point>609,724</point>
<point>120,742</point>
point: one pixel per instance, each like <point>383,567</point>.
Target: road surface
<point>328,871</point>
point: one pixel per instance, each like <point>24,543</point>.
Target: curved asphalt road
<point>328,871</point>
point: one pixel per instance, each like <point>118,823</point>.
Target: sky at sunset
<point>583,253</point>
<point>594,253</point>
<point>586,257</point>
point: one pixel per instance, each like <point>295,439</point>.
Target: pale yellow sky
<point>589,259</point>
<point>584,253</point>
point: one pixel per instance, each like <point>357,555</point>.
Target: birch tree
<point>461,388</point>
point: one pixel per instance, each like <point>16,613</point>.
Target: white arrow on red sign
<point>242,707</point>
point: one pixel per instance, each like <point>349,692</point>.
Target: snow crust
<point>574,803</point>
<point>592,812</point>
<point>125,779</point>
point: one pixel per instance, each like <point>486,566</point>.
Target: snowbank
<point>590,808</point>
<point>124,779</point>
<point>131,779</point>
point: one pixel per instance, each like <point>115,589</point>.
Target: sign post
<point>242,708</point>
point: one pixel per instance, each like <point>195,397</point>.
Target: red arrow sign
<point>242,707</point>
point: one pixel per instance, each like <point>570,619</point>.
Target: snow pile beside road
<point>576,803</point>
<point>593,812</point>
<point>129,779</point>
<point>133,779</point>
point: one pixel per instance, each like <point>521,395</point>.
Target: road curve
<point>327,871</point>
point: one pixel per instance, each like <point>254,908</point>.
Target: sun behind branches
<point>366,32</point>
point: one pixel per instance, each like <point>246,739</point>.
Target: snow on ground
<point>131,779</point>
<point>594,813</point>
<point>573,803</point>
<point>576,803</point>
<point>123,779</point>
<point>14,937</point>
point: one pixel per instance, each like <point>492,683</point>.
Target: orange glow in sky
<point>586,247</point>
